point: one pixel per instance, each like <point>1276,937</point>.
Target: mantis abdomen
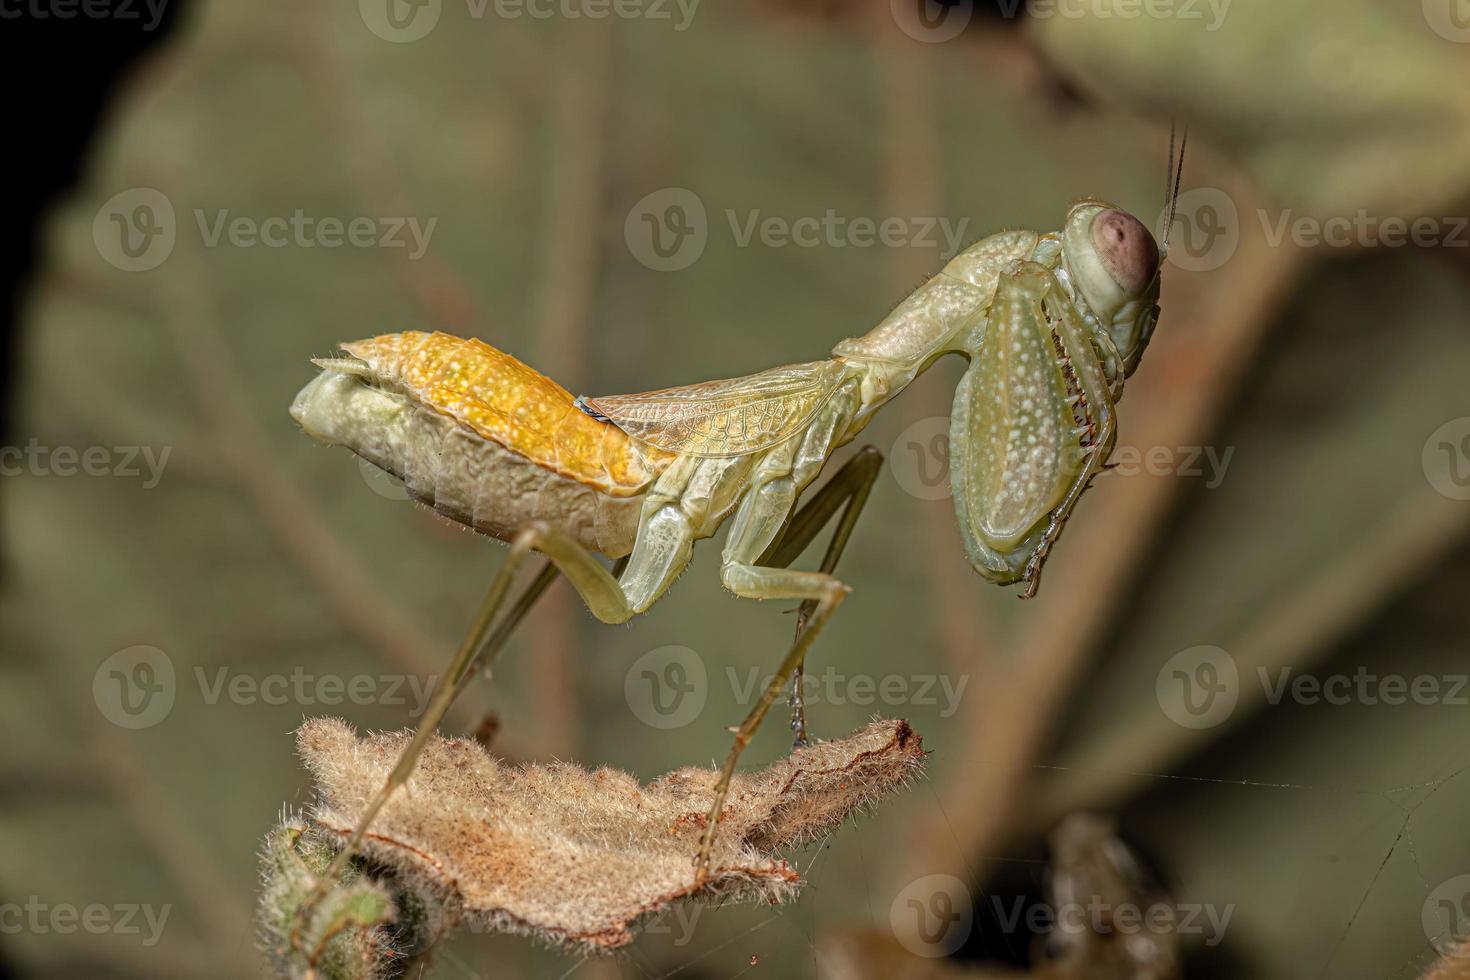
<point>470,477</point>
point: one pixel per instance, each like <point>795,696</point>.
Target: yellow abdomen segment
<point>515,405</point>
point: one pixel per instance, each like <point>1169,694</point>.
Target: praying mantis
<point>1052,324</point>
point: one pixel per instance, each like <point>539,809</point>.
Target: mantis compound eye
<point>1126,249</point>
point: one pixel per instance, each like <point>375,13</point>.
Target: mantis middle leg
<point>820,592</point>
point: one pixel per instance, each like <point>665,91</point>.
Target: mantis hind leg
<point>598,588</point>
<point>820,592</point>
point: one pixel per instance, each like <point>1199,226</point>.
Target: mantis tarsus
<point>1052,324</point>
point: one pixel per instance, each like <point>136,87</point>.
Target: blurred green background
<point>1298,494</point>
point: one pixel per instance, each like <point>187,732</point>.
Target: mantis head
<point>1115,266</point>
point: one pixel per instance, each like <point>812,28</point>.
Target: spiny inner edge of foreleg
<point>1087,437</point>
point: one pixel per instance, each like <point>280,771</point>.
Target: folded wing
<point>723,418</point>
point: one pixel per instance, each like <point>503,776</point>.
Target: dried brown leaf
<point>1454,965</point>
<point>577,858</point>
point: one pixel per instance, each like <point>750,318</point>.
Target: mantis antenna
<point>1172,179</point>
